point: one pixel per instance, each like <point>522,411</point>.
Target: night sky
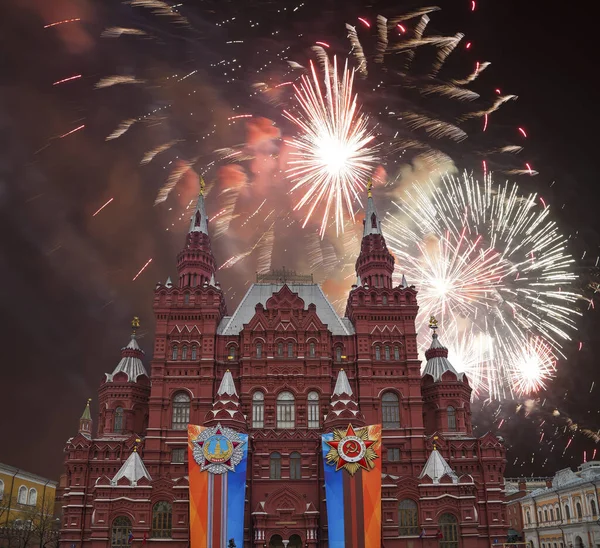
<point>68,294</point>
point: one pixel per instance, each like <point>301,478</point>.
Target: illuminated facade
<point>299,369</point>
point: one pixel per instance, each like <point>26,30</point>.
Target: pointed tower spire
<point>85,422</point>
<point>196,263</point>
<point>404,282</point>
<point>436,467</point>
<point>343,409</point>
<point>437,357</point>
<point>226,407</point>
<point>375,264</point>
<point>131,358</point>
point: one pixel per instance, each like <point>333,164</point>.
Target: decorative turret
<point>226,407</point>
<point>196,263</point>
<point>123,396</point>
<point>437,469</point>
<point>343,409</point>
<point>446,392</point>
<point>85,422</point>
<point>375,264</point>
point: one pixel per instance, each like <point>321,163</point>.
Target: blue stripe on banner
<point>236,497</point>
<point>334,498</point>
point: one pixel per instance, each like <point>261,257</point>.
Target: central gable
<point>285,299</point>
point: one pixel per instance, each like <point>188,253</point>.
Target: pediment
<point>285,299</point>
<point>285,501</point>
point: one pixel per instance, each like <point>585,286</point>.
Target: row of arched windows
<point>553,513</point>
<point>24,496</point>
<point>387,353</point>
<point>185,353</point>
<point>162,523</point>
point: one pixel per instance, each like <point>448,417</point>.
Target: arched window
<point>373,221</point>
<point>384,299</point>
<point>275,466</point>
<point>377,353</point>
<point>184,353</point>
<point>286,410</point>
<point>295,465</point>
<point>567,512</point>
<point>1,489</point>
<point>545,515</point>
<point>32,499</point>
<point>22,497</point>
<point>558,512</point>
<point>539,516</point>
<point>174,352</point>
<point>387,353</point>
<point>313,410</point>
<point>181,411</point>
<point>231,352</point>
<point>259,350</point>
<point>408,518</point>
<point>551,514</point>
<point>290,353</point>
<point>186,298</point>
<point>162,517</point>
<point>258,410</point>
<point>396,353</point>
<point>528,516</point>
<point>118,420</point>
<point>592,506</point>
<point>390,410</point>
<point>578,509</point>
<point>312,350</point>
<point>448,526</point>
<point>280,349</point>
<point>194,352</point>
<point>338,353</point>
<point>121,530</point>
<point>451,412</point>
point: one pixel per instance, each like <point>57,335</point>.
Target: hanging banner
<point>217,462</point>
<point>352,464</point>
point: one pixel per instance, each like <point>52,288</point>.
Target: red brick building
<point>284,367</point>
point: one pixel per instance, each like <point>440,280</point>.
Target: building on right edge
<point>564,515</point>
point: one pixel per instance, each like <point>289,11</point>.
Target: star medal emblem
<point>218,449</point>
<point>351,450</point>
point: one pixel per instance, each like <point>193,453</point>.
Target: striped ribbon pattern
<point>354,502</point>
<point>216,500</point>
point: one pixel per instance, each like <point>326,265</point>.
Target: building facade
<point>515,489</point>
<point>284,367</point>
<point>565,514</point>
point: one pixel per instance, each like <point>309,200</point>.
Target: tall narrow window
<point>390,410</point>
<point>396,353</point>
<point>545,515</point>
<point>551,514</point>
<point>393,454</point>
<point>567,512</point>
<point>408,518</point>
<point>184,353</point>
<point>338,353</point>
<point>448,526</point>
<point>295,465</point>
<point>162,518</point>
<point>259,350</point>
<point>1,489</point>
<point>275,466</point>
<point>181,411</point>
<point>118,420</point>
<point>384,299</point>
<point>578,509</point>
<point>178,455</point>
<point>290,350</point>
<point>121,530</point>
<point>258,410</point>
<point>231,353</point>
<point>377,353</point>
<point>194,352</point>
<point>280,349</point>
<point>313,410</point>
<point>32,499</point>
<point>593,507</point>
<point>22,497</point>
<point>286,410</point>
<point>387,352</point>
<point>186,298</point>
<point>528,515</point>
<point>174,353</point>
<point>451,412</point>
<point>312,351</point>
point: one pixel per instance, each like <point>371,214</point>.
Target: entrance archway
<point>578,542</point>
<point>276,542</point>
<point>295,542</point>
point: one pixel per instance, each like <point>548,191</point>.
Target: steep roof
<point>86,412</point>
<point>369,212</point>
<point>436,468</point>
<point>131,362</point>
<point>437,361</point>
<point>133,469</point>
<point>199,220</point>
<point>261,292</point>
<point>343,408</point>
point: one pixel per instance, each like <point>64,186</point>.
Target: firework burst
<point>333,153</point>
<point>493,264</point>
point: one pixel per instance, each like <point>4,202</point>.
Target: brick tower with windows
<point>285,368</point>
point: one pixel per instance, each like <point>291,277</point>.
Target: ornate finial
<point>202,186</point>
<point>369,187</point>
<point>135,324</point>
<point>435,438</point>
<point>433,323</point>
<point>89,401</point>
<point>137,440</point>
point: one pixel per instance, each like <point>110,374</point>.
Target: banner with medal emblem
<point>352,464</point>
<point>217,458</point>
